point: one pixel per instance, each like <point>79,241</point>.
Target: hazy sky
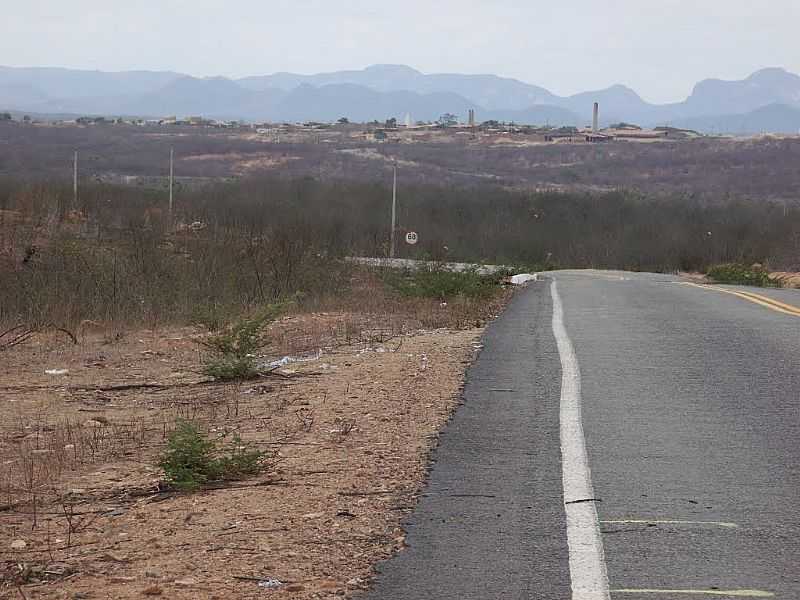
<point>658,47</point>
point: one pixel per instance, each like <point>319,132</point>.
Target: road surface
<point>624,436</point>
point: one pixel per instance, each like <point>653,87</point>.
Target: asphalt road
<point>690,406</point>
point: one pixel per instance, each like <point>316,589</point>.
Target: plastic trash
<point>288,360</point>
<point>270,584</point>
<point>56,371</point>
<point>523,278</point>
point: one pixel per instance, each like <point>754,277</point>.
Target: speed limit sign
<point>412,237</point>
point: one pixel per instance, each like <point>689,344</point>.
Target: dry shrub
<point>113,258</point>
<point>38,456</point>
<point>370,313</point>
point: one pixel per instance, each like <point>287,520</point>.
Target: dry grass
<point>786,279</point>
<point>53,482</point>
<point>80,453</point>
<point>80,449</point>
<point>85,419</point>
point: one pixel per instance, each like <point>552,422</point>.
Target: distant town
<point>448,128</point>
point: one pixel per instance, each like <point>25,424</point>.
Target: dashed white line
<point>587,565</point>
<point>727,593</point>
<point>723,524</point>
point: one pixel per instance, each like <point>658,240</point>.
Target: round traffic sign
<point>412,237</point>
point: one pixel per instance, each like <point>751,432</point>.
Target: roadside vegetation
<point>191,459</point>
<point>739,274</point>
<point>247,272</point>
<point>705,168</point>
<point>442,284</point>
<point>232,352</point>
<point>230,249</point>
<point>240,275</point>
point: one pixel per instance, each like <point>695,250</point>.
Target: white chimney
<point>595,117</point>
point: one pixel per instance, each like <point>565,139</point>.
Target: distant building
<point>596,138</point>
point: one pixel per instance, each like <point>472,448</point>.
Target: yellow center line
<point>772,301</point>
<point>764,301</point>
<point>729,593</point>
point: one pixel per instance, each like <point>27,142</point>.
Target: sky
<point>660,48</point>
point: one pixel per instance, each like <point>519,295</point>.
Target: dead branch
<point>375,493</point>
<point>19,334</point>
<point>14,337</point>
<point>238,548</point>
<point>240,486</point>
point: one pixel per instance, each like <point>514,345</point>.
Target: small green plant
<point>736,273</point>
<point>241,460</point>
<point>191,459</point>
<point>188,461</point>
<point>233,351</point>
<point>443,284</point>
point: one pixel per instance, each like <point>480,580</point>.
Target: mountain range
<point>767,100</point>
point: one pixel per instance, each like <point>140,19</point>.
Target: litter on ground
<point>288,360</point>
<point>523,278</point>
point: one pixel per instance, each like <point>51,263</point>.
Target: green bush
<point>736,273</point>
<point>233,351</point>
<point>241,461</point>
<point>442,284</point>
<point>191,459</point>
<point>231,368</point>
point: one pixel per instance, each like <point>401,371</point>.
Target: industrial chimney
<point>595,116</point>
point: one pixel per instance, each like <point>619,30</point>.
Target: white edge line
<point>587,565</point>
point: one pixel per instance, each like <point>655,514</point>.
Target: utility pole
<point>394,210</point>
<point>171,180</point>
<point>75,181</point>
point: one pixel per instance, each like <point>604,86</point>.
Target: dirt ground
<point>787,279</point>
<point>83,512</point>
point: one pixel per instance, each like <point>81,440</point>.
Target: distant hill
<point>763,88</point>
<point>329,102</point>
<point>767,119</point>
<point>215,97</point>
<point>63,84</point>
<point>618,103</point>
<point>488,91</point>
<point>770,96</point>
